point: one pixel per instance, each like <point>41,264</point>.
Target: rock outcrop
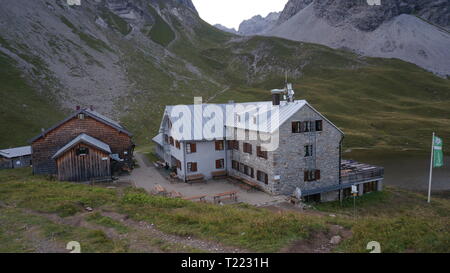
<point>413,31</point>
<point>258,24</point>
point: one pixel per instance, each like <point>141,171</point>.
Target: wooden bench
<point>196,178</point>
<point>232,195</point>
<point>200,198</point>
<point>219,174</point>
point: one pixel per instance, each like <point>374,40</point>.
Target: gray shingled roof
<point>93,114</point>
<point>159,139</point>
<point>87,140</point>
<point>268,125</point>
<point>16,152</point>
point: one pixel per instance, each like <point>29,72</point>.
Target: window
<point>219,145</point>
<point>179,164</point>
<point>315,198</point>
<point>230,144</point>
<point>262,177</point>
<point>82,151</point>
<point>166,139</point>
<point>307,126</point>
<point>170,124</point>
<point>235,165</point>
<point>171,141</point>
<point>312,175</point>
<point>248,148</point>
<point>304,127</point>
<point>296,126</point>
<point>249,171</point>
<point>220,164</point>
<point>260,152</point>
<point>234,144</point>
<point>238,118</point>
<point>177,144</point>
<point>81,116</point>
<point>370,187</point>
<point>192,167</point>
<point>191,148</point>
<point>308,150</point>
<point>319,125</point>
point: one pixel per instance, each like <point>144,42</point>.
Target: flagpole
<point>431,169</point>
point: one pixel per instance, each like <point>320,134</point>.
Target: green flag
<point>438,155</point>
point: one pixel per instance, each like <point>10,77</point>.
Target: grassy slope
<point>400,220</point>
<point>23,110</point>
<point>379,103</point>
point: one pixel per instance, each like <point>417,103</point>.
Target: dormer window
<point>81,116</point>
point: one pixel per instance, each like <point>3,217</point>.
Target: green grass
<point>160,32</point>
<point>106,221</point>
<point>242,226</point>
<point>115,22</point>
<point>23,232</point>
<point>24,110</point>
<point>400,220</point>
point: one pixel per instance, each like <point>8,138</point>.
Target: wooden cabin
<point>86,146</point>
<point>13,158</point>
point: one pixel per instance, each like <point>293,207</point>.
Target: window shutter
<point>217,164</point>
<point>317,174</point>
<point>193,147</point>
<point>194,167</point>
<point>217,145</point>
<point>306,176</point>
<point>294,127</point>
<point>266,178</point>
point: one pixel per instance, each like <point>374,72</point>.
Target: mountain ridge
<point>130,58</point>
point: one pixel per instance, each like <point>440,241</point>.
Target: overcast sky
<point>231,13</point>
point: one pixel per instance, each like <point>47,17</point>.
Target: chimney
<point>276,96</point>
<point>91,107</point>
<point>78,108</point>
<point>276,99</point>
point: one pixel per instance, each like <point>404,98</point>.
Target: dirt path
<point>142,236</point>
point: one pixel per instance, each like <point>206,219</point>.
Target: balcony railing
<point>361,173</point>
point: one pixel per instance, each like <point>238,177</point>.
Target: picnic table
<point>201,198</point>
<point>231,195</point>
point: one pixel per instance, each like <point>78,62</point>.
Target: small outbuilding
<point>19,157</point>
<point>86,146</point>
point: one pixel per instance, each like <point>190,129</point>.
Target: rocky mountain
<point>224,28</point>
<point>258,24</point>
<point>130,58</point>
<point>414,31</point>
